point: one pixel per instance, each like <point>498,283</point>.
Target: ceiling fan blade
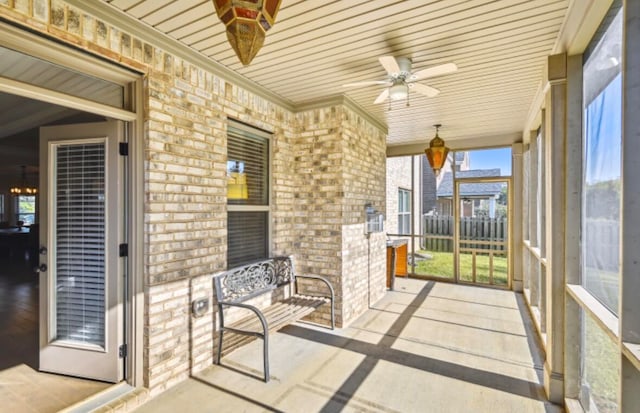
<point>434,71</point>
<point>390,64</point>
<point>425,90</point>
<point>382,96</point>
<point>370,83</point>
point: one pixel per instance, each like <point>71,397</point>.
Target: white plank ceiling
<point>316,46</point>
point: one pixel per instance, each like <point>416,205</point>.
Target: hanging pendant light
<point>23,188</point>
<point>437,152</point>
<point>247,22</point>
<point>236,181</point>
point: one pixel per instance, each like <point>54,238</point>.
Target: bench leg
<point>333,316</point>
<point>266,356</point>
<point>219,346</point>
<point>221,313</point>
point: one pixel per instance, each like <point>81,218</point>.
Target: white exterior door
<point>81,227</point>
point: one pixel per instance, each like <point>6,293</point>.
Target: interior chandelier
<point>23,188</point>
<point>437,152</point>
<point>247,22</point>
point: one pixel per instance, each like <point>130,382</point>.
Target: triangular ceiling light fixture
<point>247,22</point>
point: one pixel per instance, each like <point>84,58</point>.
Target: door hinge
<point>124,148</point>
<point>122,351</point>
<point>123,250</point>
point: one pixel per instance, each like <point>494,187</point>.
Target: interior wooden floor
<point>22,387</point>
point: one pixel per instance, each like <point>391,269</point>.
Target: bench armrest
<point>257,312</point>
<point>328,284</point>
<point>317,277</point>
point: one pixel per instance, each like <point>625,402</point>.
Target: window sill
<point>605,318</point>
<point>632,352</point>
<point>573,406</point>
<point>536,252</point>
<point>534,311</point>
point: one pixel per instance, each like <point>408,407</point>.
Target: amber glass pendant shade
<point>247,22</point>
<point>437,153</point>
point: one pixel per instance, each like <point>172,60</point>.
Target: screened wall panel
<point>79,219</point>
<point>602,142</point>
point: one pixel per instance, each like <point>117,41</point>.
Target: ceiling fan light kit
<point>398,91</point>
<point>400,79</point>
<point>247,22</point>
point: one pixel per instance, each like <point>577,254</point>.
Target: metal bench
<point>237,285</point>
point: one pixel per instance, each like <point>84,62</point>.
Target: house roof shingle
<point>445,189</point>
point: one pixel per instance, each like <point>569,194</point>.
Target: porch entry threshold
<point>118,395</point>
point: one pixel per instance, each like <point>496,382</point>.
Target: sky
<point>492,158</point>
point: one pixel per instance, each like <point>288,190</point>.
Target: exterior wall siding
<point>398,176</point>
<point>326,164</point>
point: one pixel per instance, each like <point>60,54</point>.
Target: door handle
<point>41,268</point>
<point>43,250</point>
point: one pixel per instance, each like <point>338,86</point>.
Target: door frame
<point>456,225</point>
<point>40,47</point>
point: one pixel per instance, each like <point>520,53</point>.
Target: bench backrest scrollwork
<point>248,281</point>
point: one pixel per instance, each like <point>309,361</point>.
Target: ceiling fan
<point>400,80</point>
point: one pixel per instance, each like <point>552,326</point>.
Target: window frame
<point>591,309</point>
<point>244,130</point>
<point>19,214</point>
<point>403,213</point>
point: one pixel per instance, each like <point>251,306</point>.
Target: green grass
<point>601,367</point>
<point>441,264</point>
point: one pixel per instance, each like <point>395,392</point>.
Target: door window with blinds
<point>79,220</point>
<point>248,194</point>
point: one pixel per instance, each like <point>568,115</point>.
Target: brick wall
<point>364,171</point>
<point>318,215</point>
<point>340,164</point>
<point>326,164</point>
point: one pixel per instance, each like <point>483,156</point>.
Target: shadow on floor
<point>384,351</point>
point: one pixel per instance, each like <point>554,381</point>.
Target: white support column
<point>516,221</point>
<point>630,282</point>
<point>534,264</point>
<point>573,198</point>
<point>555,141</point>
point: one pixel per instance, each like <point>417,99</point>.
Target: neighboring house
<point>473,195</point>
<point>403,205</point>
<point>431,183</point>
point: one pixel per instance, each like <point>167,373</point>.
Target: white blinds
<point>247,239</point>
<point>248,219</point>
<point>253,151</point>
<point>79,219</point>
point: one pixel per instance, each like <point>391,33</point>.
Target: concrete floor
<point>426,347</point>
<point>22,387</point>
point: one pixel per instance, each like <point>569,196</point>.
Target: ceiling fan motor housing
<point>404,63</point>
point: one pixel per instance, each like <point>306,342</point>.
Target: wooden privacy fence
<point>602,239</point>
<point>438,230</point>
